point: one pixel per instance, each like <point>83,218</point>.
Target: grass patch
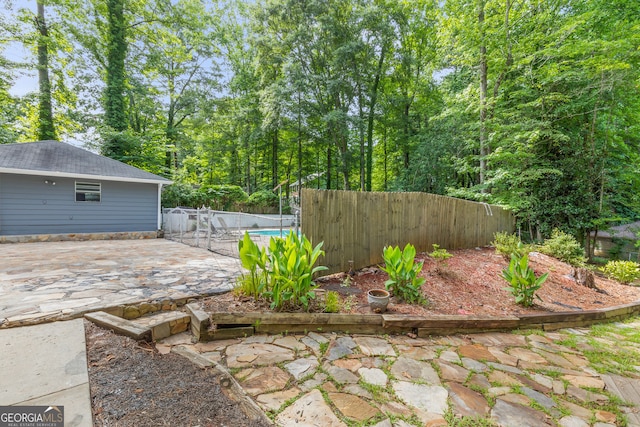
<point>453,421</point>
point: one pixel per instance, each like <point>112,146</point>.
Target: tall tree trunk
<point>329,165</point>
<point>483,94</point>
<point>115,111</point>
<point>46,128</point>
<point>372,109</point>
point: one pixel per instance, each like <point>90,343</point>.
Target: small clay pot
<point>378,300</point>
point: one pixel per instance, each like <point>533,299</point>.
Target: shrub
<point>263,199</point>
<point>177,194</point>
<point>564,247</point>
<point>403,272</point>
<point>507,244</point>
<point>283,272</point>
<point>441,255</point>
<point>522,280</point>
<point>622,271</point>
<point>219,197</point>
<point>332,302</point>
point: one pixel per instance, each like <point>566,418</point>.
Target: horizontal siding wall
<point>356,226</point>
<point>30,206</point>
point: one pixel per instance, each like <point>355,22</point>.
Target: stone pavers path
<point>505,379</point>
<point>57,280</point>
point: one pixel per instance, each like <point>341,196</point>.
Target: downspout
<point>159,206</point>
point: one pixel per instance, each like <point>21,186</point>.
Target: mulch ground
<point>133,385</point>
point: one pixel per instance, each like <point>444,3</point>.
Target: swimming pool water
<point>285,231</point>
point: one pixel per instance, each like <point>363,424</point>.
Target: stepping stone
<point>353,407</point>
<point>555,359</point>
<point>351,364</point>
<point>541,399</point>
<point>419,353</point>
<point>373,376</point>
<point>314,382</point>
<point>467,402</point>
<point>605,416</point>
<point>499,339</point>
<point>341,376</point>
<point>263,380</point>
<point>265,354</point>
<point>476,352</point>
<point>543,380</point>
<point>301,368</point>
<point>572,421</point>
<point>312,344</point>
<point>409,369</point>
<point>534,384</point>
<point>505,368</point>
<point>273,401</point>
<point>290,342</point>
<point>559,387</point>
<point>451,372</point>
<point>582,381</point>
<point>527,355</point>
<point>480,380</point>
<point>425,397</point>
<point>356,390</point>
<point>576,410</point>
<point>519,399</point>
<point>338,349</point>
<point>474,365</point>
<point>503,379</point>
<point>450,356</point>
<point>498,391</point>
<point>504,358</point>
<point>396,408</point>
<point>320,339</point>
<point>371,346</point>
<point>511,414</point>
<point>309,410</point>
<point>586,396</point>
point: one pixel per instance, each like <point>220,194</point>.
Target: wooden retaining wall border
<point>215,326</point>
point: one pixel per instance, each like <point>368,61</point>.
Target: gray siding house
<point>51,187</point>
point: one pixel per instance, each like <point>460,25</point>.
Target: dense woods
<point>530,104</point>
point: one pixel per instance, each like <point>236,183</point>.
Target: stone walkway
<point>336,380</point>
<point>57,280</point>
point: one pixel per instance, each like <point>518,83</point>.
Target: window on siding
<point>88,191</point>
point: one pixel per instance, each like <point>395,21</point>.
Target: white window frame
<point>88,188</point>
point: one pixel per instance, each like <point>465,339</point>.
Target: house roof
<point>58,159</point>
<point>625,231</point>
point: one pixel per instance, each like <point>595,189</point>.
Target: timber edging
<point>215,326</point>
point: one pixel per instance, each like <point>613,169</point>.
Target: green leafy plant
<point>622,271</point>
<point>332,302</point>
<point>522,280</point>
<point>441,255</point>
<point>564,247</point>
<point>253,259</point>
<point>403,272</point>
<point>507,244</point>
<point>282,273</point>
<point>262,199</point>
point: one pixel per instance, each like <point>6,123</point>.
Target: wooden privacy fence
<point>356,226</point>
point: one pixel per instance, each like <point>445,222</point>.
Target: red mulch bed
<point>469,284</point>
